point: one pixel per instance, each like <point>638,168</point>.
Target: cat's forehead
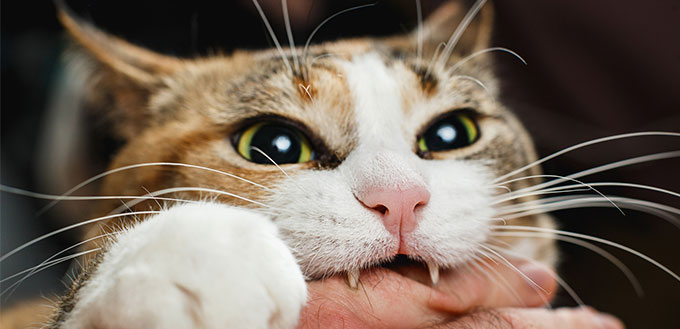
<point>351,92</point>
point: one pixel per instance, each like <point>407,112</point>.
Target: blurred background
<point>594,69</point>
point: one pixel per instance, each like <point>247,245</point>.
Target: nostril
<point>419,204</point>
<point>380,208</point>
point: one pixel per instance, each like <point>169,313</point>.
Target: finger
<point>491,285</point>
<point>513,318</point>
<point>384,299</point>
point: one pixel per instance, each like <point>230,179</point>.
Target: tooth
<point>353,278</point>
<point>434,272</point>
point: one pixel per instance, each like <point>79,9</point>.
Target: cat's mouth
<point>414,269</point>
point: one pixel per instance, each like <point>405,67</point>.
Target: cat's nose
<point>398,207</point>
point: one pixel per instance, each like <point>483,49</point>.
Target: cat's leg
<point>193,266</point>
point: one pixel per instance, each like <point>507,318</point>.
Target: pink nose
<point>397,207</point>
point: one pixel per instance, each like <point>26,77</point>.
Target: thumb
<point>516,283</point>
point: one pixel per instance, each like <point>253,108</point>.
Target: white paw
<point>194,266</point>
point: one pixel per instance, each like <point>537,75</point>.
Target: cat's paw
<point>194,266</point>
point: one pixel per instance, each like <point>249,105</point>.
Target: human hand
<point>466,298</point>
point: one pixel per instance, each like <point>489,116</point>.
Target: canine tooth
<point>434,272</point>
<point>353,278</point>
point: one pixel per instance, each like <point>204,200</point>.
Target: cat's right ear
<point>122,76</point>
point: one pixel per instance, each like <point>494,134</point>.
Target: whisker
<point>569,188</point>
<point>591,238</point>
<point>584,144</point>
<point>257,149</point>
<point>473,79</point>
<point>594,248</point>
<point>546,302</point>
<point>518,192</point>
<point>580,201</point>
<point>70,227</point>
<point>55,262</point>
<point>503,187</point>
<point>462,26</point>
<point>53,256</point>
<point>598,169</point>
<point>481,52</point>
<point>274,38</point>
<point>311,64</point>
<point>572,293</point>
<point>195,189</point>
<point>514,268</point>
<point>311,35</point>
<point>419,38</point>
<point>289,31</point>
<point>504,282</point>
<point>435,55</point>
<point>306,89</point>
<point>17,191</point>
<point>148,164</point>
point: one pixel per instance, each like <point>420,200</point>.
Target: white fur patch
<point>194,266</point>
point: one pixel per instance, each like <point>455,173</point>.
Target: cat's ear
<point>438,28</point>
<point>121,76</point>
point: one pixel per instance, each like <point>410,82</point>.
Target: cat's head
<point>384,146</point>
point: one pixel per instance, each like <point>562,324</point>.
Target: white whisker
<point>519,193</point>
<point>274,38</point>
<point>570,188</point>
<point>591,238</point>
<point>46,266</point>
<point>514,268</point>
<point>70,227</point>
<point>141,165</point>
<point>437,49</point>
<point>582,201</point>
<point>504,282</point>
<point>462,26</point>
<point>419,38</point>
<point>481,52</point>
<point>289,31</point>
<point>49,259</point>
<point>193,189</point>
<point>311,35</point>
<point>572,293</point>
<point>475,80</point>
<point>257,149</point>
<point>17,191</point>
<point>598,169</point>
<point>581,145</point>
<point>605,254</point>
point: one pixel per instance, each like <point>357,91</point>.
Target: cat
<point>338,158</point>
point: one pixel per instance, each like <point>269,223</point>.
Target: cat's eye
<point>450,132</point>
<point>280,142</point>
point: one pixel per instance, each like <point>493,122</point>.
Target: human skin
<point>461,299</point>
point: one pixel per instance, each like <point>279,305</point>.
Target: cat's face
<point>382,150</point>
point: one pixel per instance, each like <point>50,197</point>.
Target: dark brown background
<point>596,68</point>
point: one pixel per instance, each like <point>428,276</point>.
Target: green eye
<point>282,143</point>
<point>451,132</point>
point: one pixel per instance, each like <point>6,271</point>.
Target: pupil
<point>281,144</point>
